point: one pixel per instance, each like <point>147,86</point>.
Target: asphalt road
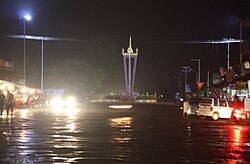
<point>95,133</point>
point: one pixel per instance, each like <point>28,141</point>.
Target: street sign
<point>200,84</point>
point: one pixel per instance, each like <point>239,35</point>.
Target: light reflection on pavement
<point>146,133</point>
<point>237,145</point>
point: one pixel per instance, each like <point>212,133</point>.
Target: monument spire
<point>130,41</point>
<point>130,61</point>
<point>130,49</point>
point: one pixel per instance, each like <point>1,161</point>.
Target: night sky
<point>152,24</point>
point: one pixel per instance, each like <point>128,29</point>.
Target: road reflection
<point>19,139</point>
<point>124,126</point>
<point>121,138</point>
<point>97,135</point>
<point>65,144</point>
<point>237,145</point>
<point>70,112</point>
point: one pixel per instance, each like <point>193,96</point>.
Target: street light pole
<point>241,60</point>
<point>199,68</point>
<point>238,19</point>
<point>42,67</point>
<point>186,69</point>
<point>43,39</point>
<point>24,52</point>
<point>228,56</point>
<point>25,18</point>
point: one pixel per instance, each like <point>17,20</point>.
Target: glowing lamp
<point>27,17</point>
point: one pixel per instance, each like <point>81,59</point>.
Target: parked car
<point>215,108</point>
<point>190,106</point>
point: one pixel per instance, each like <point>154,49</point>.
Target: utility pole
<point>199,68</point>
<point>241,60</point>
<point>179,86</point>
<point>185,69</point>
<point>228,56</point>
<point>208,79</point>
<point>25,18</point>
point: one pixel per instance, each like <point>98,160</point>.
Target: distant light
<point>70,101</point>
<point>120,106</point>
<point>27,17</point>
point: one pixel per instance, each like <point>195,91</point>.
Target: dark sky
<point>152,24</point>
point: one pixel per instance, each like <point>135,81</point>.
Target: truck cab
<point>215,108</point>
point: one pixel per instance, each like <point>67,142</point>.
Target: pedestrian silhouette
<point>10,102</point>
<point>2,101</point>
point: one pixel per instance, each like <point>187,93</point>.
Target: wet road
<point>98,134</point>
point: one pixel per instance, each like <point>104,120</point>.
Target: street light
<point>43,38</point>
<point>25,18</point>
<point>199,68</point>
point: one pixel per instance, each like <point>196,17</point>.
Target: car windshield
<point>195,100</point>
<point>206,101</point>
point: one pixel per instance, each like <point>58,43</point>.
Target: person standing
<point>2,101</point>
<point>10,102</point>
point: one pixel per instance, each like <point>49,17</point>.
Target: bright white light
<point>57,109</point>
<point>24,113</point>
<point>120,106</point>
<point>70,101</point>
<point>56,102</point>
<point>71,112</point>
<point>27,17</point>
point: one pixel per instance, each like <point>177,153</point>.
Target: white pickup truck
<point>215,108</point>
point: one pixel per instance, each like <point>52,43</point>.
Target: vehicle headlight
<point>70,101</point>
<point>56,102</point>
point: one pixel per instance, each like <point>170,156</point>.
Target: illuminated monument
<point>129,61</point>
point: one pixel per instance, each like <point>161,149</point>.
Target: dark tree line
<point>98,70</point>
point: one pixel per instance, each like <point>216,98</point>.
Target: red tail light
<point>237,113</point>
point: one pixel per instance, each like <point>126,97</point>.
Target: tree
<point>105,56</point>
<point>74,76</point>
